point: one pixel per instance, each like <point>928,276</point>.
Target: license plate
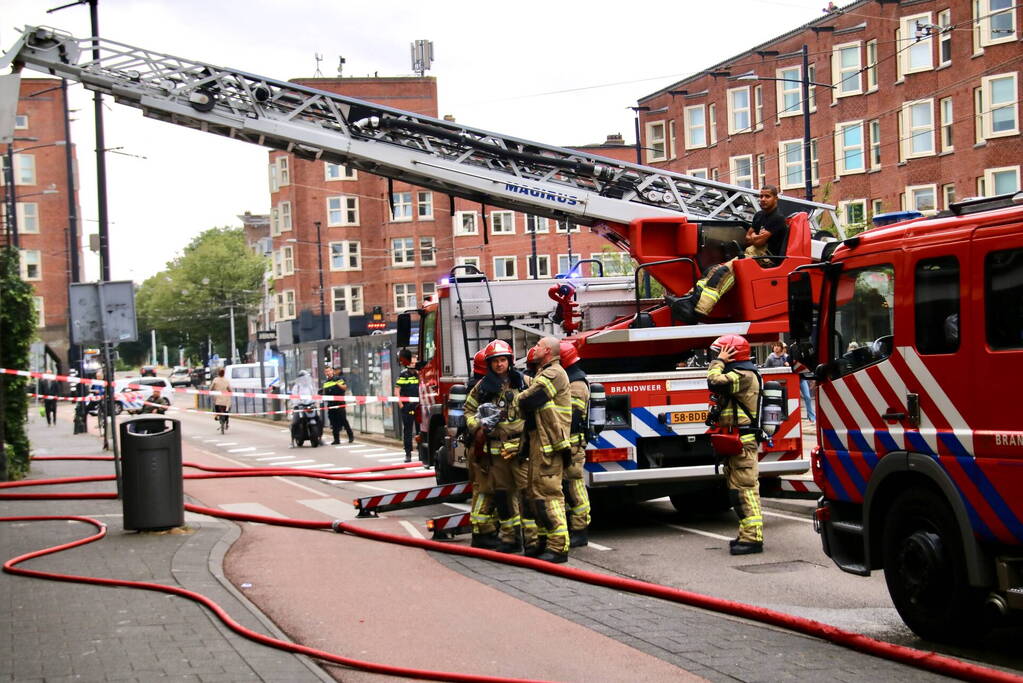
<point>687,417</point>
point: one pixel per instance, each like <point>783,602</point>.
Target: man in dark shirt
<point>766,236</point>
<point>407,385</point>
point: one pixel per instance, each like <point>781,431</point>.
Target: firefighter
<point>407,387</point>
<point>547,405</point>
<point>490,409</point>
<point>482,516</point>
<point>737,387</point>
<point>577,499</point>
<point>334,385</point>
<point>766,236</point>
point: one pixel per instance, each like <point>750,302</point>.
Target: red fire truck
<point>917,339</point>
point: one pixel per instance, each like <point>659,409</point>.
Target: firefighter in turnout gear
<point>577,498</point>
<point>547,405</point>
<point>334,385</point>
<point>737,388</point>
<point>490,409</point>
<point>408,387</point>
<point>482,515</point>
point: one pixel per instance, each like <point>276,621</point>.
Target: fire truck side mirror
<point>404,330</point>
<point>800,306</point>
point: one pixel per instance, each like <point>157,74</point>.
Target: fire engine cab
<point>917,340</point>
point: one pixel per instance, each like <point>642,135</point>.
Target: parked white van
<point>245,376</point>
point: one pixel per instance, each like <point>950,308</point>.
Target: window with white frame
<point>338,172</point>
<point>874,130</point>
<point>655,145</point>
<point>469,261</point>
<point>28,218</point>
<point>20,121</point>
<point>948,194</point>
<point>287,260</point>
<point>285,216</point>
<point>790,91</point>
<point>945,107</point>
<point>429,289</point>
<point>790,163</point>
<point>347,298</point>
<point>565,262</point>
<point>285,304</point>
<point>424,205</point>
<point>945,37</point>
<point>849,157</point>
<point>31,264</point>
<point>275,221</point>
<point>272,176</point>
<point>714,174</point>
<point>671,139</point>
<point>1001,180</point>
<point>615,262</point>
<point>994,21</point>
<point>695,126</point>
<point>401,203</point>
<point>741,170</point>
<point>852,212</point>
<point>697,173</point>
<point>427,251</point>
<point>37,303</point>
<point>1000,105</point>
<point>24,169</point>
<point>278,260</point>
<point>346,255</point>
<point>543,265</point>
<point>921,198</point>
<point>465,223</point>
<point>916,52</point>
<point>761,170</point>
<point>918,129</point>
<point>871,72</point>
<point>536,224</point>
<point>403,252</point>
<point>502,222</point>
<point>978,115</point>
<point>846,66</point>
<point>504,267</point>
<point>712,122</point>
<point>740,111</point>
<point>876,206</point>
<point>283,171</point>
<point>564,226</point>
<point>758,107</point>
<point>404,296</point>
<point>342,210</point>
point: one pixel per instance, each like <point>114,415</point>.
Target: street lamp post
<point>319,261</point>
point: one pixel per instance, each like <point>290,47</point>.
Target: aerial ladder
<point>667,221</point>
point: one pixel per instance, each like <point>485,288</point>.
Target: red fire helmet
<point>498,348</point>
<point>479,363</point>
<point>531,356</point>
<point>734,340</point>
<point>569,354</point>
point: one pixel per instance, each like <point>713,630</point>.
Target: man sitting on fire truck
<point>766,237</point>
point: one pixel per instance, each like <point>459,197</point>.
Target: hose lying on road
<point>905,655</point>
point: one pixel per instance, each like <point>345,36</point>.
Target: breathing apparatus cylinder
<point>456,406</point>
<point>775,407</point>
<point>598,408</point>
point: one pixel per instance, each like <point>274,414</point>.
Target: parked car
<point>180,376</point>
<point>131,400</point>
<point>148,371</point>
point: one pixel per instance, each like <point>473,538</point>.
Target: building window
<point>697,173</point>
<point>429,289</point>
<point>655,150</point>
<point>348,298</point>
<point>424,205</point>
<point>995,21</point>
<point>945,107</point>
<point>849,148</point>
<point>536,224</point>
<point>338,172</point>
<point>565,227</point>
<point>1000,105</point>
<point>346,255</point>
<point>31,264</point>
<point>565,262</point>
<point>761,170</point>
<point>403,252</point>
<point>945,37</point>
<point>875,144</point>
<point>876,206</point>
<point>37,302</point>
<point>742,170</point>
<point>948,194</point>
<point>790,91</point>
<point>24,169</point>
<point>275,221</point>
<point>1002,293</point>
<point>283,171</point>
<point>758,107</point>
<point>921,198</point>
<point>469,261</point>
<point>504,267</point>
<point>846,67</point>
<point>404,296</point>
<point>287,261</point>
<point>502,223</point>
<point>790,163</point>
<point>1001,180</point>
<point>853,212</point>
<point>285,216</point>
<point>918,129</point>
<point>937,305</point>
<point>20,121</point>
<point>465,223</point>
<point>28,218</point>
<point>285,304</point>
<point>543,263</point>
<point>695,126</point>
<point>427,251</point>
<point>671,139</point>
<point>401,203</point>
<point>871,65</point>
<point>712,121</point>
<point>272,176</point>
<point>978,115</point>
<point>915,50</point>
<point>342,210</point>
<point>615,262</point>
<point>739,111</point>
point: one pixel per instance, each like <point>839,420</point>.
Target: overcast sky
<point>558,72</point>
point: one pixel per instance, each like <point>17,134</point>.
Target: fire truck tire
<point>444,471</point>
<point>713,499</point>
<point>926,572</point>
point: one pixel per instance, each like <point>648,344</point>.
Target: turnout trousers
<point>481,516</point>
<point>546,497</point>
<point>744,491</point>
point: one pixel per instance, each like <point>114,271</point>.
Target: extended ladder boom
<point>474,164</point>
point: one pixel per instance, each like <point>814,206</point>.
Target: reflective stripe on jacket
<point>550,393</point>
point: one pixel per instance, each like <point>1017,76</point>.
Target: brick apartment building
<point>373,258</point>
<point>916,105</point>
<point>42,190</point>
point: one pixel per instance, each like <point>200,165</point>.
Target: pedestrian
<point>736,386</point>
<point>490,411</point>
<point>157,403</point>
<point>49,389</point>
<point>547,406</point>
<point>335,385</point>
<point>221,402</point>
<point>778,358</point>
<point>577,498</point>
<point>407,386</point>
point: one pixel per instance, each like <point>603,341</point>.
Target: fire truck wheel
<point>925,570</point>
<point>702,500</point>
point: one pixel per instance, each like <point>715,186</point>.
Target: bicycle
<point>222,419</point>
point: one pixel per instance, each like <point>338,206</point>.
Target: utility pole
<point>319,260</point>
<point>807,169</point>
<point>234,353</point>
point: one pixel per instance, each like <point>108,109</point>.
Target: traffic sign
<point>266,335</point>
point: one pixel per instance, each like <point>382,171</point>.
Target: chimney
<point>614,139</point>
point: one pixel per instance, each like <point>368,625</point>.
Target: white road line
<point>400,458</point>
<point>241,450</point>
<point>253,455</point>
<point>332,507</point>
<point>699,532</point>
<point>336,468</point>
<point>377,456</point>
<point>298,462</point>
<point>285,430</point>
<point>277,457</point>
<point>412,530</point>
<point>299,486</point>
<point>351,445</point>
<point>226,443</point>
<point>597,546</point>
<point>208,440</point>
<point>315,465</point>
<point>369,450</point>
<point>805,520</point>
<point>375,488</point>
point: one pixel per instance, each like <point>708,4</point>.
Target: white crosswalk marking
<point>253,455</point>
<point>375,488</point>
<point>279,457</point>
<point>332,507</point>
<point>699,532</point>
<point>412,530</point>
<point>241,450</point>
<point>226,443</point>
<point>315,465</point>
<point>294,462</point>
<point>400,458</point>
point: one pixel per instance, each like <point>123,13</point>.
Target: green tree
<point>192,298</point>
<point>17,330</point>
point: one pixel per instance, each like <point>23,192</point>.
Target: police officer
<point>737,386</point>
<point>407,385</point>
<point>547,402</point>
<point>334,385</point>
<point>576,497</point>
<point>490,408</point>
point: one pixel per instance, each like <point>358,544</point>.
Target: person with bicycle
<point>222,401</point>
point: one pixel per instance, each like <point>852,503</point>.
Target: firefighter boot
<point>487,541</point>
<point>537,549</point>
<point>578,538</point>
<point>683,308</point>
<point>746,547</point>
<point>511,547</point>
<point>553,557</point>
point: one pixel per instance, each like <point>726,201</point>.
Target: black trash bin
<point>152,490</point>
